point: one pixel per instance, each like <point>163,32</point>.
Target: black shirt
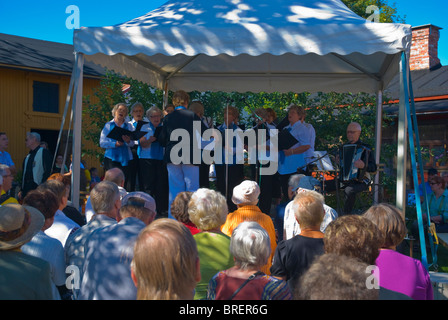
<point>293,257</point>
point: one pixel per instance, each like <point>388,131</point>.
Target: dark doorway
<point>51,138</point>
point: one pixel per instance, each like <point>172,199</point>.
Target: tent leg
<point>378,136</point>
<point>165,94</point>
<point>77,108</point>
<point>404,89</point>
<point>401,152</point>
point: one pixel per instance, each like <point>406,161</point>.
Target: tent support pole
<point>378,136</point>
<point>165,93</point>
<point>77,111</point>
<point>401,149</point>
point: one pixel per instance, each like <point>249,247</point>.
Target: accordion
<point>350,154</point>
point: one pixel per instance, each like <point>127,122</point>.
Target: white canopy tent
<point>245,45</point>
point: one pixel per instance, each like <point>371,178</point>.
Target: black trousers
<point>234,176</point>
<point>350,189</point>
<point>155,182</point>
<point>134,173</point>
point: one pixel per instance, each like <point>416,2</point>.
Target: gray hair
<point>115,108</point>
<point>136,105</point>
<point>103,196</point>
<point>34,135</point>
<point>356,125</point>
<point>294,180</point>
<point>250,245</point>
<point>152,110</point>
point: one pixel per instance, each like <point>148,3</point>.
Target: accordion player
<point>356,161</point>
<point>350,154</point>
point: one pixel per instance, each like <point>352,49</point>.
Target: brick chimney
<point>424,47</point>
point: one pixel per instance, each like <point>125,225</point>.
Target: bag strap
<point>245,282</point>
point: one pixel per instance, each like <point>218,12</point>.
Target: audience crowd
<point>201,243</point>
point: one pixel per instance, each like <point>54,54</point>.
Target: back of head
<point>250,245</point>
<point>135,208</point>
<point>207,209</point>
<point>353,236</point>
<point>168,274</point>
<point>389,221</point>
<point>246,193</point>
<point>180,98</point>
<point>335,277</point>
<point>179,206</point>
<point>308,209</point>
<point>55,186</point>
<point>197,107</point>
<point>103,196</point>
<point>115,175</point>
<point>43,200</point>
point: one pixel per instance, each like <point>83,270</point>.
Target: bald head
<point>353,132</point>
<point>115,175</point>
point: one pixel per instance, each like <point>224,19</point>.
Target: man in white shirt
<point>304,183</point>
<point>115,175</point>
<point>62,225</point>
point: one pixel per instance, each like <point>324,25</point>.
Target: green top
<point>214,256</point>
<point>439,206</point>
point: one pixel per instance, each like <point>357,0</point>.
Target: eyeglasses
<point>433,183</point>
<point>351,132</point>
<point>155,116</point>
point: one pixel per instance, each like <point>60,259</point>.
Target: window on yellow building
<point>45,97</point>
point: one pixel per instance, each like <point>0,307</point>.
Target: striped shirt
<point>262,287</point>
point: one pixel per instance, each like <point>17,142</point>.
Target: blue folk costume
<point>121,155</point>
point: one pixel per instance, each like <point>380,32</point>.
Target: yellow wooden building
<point>34,81</point>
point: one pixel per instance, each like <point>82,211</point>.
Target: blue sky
<point>46,19</point>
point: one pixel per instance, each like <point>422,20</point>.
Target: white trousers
<point>181,177</point>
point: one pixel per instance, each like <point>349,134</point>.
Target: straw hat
<point>246,192</point>
<point>18,224</point>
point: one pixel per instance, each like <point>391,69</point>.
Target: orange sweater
<point>252,213</point>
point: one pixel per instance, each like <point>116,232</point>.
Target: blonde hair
<point>165,261</point>
<point>389,221</point>
<point>180,98</point>
<point>308,209</point>
<point>207,209</point>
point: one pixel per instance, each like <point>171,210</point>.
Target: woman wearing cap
<point>245,196</point>
<point>22,277</point>
<point>250,247</point>
<point>208,211</point>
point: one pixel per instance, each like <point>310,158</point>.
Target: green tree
<point>388,13</point>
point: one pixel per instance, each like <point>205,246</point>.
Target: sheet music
<point>323,164</point>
